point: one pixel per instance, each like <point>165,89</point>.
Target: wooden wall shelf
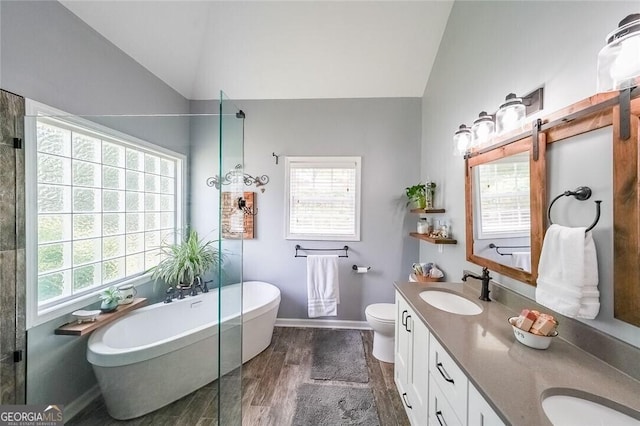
<point>75,329</point>
<point>429,239</point>
<point>427,210</point>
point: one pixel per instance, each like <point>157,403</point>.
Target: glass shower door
<point>231,168</point>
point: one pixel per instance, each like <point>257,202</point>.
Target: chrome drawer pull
<point>438,416</point>
<point>444,373</point>
<point>404,398</point>
<point>406,325</point>
<point>404,320</point>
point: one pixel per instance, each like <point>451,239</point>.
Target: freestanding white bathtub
<point>162,352</point>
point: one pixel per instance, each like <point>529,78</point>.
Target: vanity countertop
<point>511,376</point>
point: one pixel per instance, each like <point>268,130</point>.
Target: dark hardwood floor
<point>269,382</point>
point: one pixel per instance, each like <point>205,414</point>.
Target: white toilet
<point>382,318</point>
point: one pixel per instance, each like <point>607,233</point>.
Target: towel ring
<point>581,193</point>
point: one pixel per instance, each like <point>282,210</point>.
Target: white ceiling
<point>277,50</point>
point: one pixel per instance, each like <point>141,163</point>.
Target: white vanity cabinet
<point>480,412</point>
<point>411,362</point>
<point>433,388</point>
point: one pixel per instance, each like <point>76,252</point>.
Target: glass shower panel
<point>231,121</point>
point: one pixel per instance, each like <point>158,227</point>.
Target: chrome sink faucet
<point>485,278</point>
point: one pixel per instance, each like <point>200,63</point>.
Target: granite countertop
<point>511,376</point>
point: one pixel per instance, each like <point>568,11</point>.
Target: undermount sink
<point>450,302</point>
<point>570,410</point>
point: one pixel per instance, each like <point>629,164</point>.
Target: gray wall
<point>386,133</point>
<point>492,48</point>
<point>49,55</point>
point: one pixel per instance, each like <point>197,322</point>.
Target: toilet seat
<point>382,312</point>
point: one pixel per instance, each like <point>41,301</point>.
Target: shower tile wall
<point>12,250</point>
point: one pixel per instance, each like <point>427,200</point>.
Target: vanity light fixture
<point>619,66</point>
<point>462,140</point>
<point>482,130</point>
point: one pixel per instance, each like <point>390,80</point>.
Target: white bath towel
<point>568,273</point>
<point>522,260</point>
<point>323,287</point>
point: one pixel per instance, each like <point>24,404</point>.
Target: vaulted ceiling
<point>274,49</point>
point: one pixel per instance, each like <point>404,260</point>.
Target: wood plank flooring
<point>269,382</point>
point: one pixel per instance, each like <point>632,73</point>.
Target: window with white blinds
<point>322,198</point>
<point>504,198</point>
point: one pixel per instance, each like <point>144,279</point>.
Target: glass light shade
<point>619,60</point>
<point>482,130</point>
<point>510,115</point>
<point>462,140</point>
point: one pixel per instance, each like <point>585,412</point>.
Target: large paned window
<point>103,206</point>
<point>323,198</point>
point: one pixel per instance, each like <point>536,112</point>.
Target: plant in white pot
<point>186,261</point>
<point>110,299</point>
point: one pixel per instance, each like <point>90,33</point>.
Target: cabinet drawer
<point>452,381</point>
<point>440,411</point>
<point>480,412</point>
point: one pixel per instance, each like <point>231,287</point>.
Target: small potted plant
<point>185,261</point>
<point>110,299</point>
<point>417,195</point>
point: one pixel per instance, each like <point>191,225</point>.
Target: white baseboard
<point>80,403</point>
<point>322,323</point>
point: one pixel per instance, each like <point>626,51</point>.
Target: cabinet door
<point>480,412</point>
<point>403,349</point>
<point>418,377</point>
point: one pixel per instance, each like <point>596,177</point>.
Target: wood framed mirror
<point>505,194</point>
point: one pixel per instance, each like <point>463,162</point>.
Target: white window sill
<point>65,308</point>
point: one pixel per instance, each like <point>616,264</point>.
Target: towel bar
<point>497,248</point>
<point>298,248</point>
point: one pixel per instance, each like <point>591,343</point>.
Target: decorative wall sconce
<point>619,66</point>
<point>510,115</point>
<point>462,140</point>
<point>619,60</point>
<point>482,130</point>
<point>235,176</point>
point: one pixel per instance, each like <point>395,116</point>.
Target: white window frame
<point>482,235</point>
<point>323,162</point>
<point>35,317</point>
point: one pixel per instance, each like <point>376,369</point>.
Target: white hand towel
<point>522,260</point>
<point>323,287</point>
<point>568,273</point>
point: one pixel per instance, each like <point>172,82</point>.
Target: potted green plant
<point>110,299</point>
<point>183,262</point>
<point>417,195</point>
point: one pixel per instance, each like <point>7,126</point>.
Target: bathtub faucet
<point>198,284</point>
<point>171,294</point>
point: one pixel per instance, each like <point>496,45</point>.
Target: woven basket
<point>426,279</point>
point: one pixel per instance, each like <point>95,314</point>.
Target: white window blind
<point>504,198</point>
<point>323,198</point>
